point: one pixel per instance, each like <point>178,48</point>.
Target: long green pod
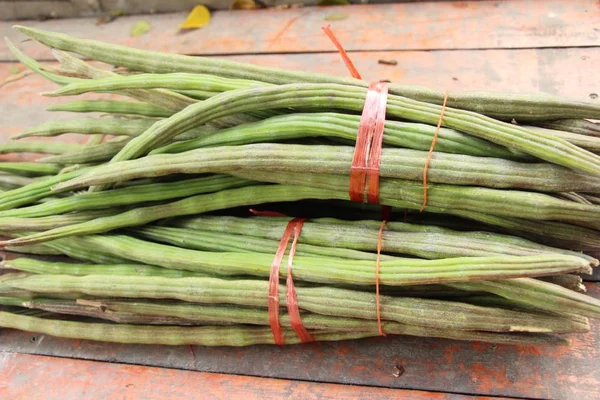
<point>128,195</point>
<point>29,169</point>
<point>101,126</point>
<point>396,271</point>
<point>71,307</point>
<point>35,191</point>
<point>455,169</point>
<point>446,199</point>
<point>212,241</point>
<point>579,126</point>
<point>236,335</point>
<point>173,81</point>
<point>327,96</point>
<point>79,249</point>
<point>403,194</point>
<point>53,221</point>
<point>20,146</point>
<point>542,295</point>
<point>113,107</point>
<point>91,154</point>
<point>77,269</point>
<point>293,126</point>
<point>35,249</point>
<point>399,237</point>
<point>246,315</point>
<point>590,143</point>
<point>503,105</point>
<point>11,181</point>
<point>37,67</point>
<point>320,300</point>
<point>158,97</point>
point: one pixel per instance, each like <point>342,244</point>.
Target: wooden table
<point>549,46</point>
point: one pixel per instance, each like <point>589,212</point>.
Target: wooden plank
<point>407,26</point>
<point>567,72</point>
<point>568,372</point>
<point>27,376</point>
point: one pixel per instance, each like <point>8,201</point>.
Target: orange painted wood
<point>566,372</point>
<point>567,72</point>
<point>37,377</point>
<point>407,26</point>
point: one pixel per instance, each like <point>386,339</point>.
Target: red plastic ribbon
<point>430,154</point>
<point>364,172</point>
<point>293,227</point>
<point>353,71</point>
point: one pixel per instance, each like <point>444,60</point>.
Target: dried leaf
<point>336,17</point>
<point>140,28</point>
<point>244,5</point>
<point>197,18</point>
<point>333,3</point>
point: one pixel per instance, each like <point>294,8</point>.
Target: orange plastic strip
<point>295,227</point>
<point>430,154</point>
<point>353,71</point>
<point>364,171</point>
<point>292,300</point>
<point>273,303</point>
<point>266,213</point>
<point>377,266</point>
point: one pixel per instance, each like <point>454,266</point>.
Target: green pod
<point>212,241</point>
<point>500,105</point>
<point>342,126</point>
<point>128,195</point>
<point>396,271</point>
<point>407,164</point>
<point>91,154</point>
<point>423,241</point>
<point>37,147</point>
<point>173,81</point>
<point>541,295</point>
<point>321,300</point>
<point>234,335</point>
<point>113,107</point>
<point>76,269</point>
<point>328,96</point>
<point>579,126</point>
<point>29,169</point>
<point>101,126</point>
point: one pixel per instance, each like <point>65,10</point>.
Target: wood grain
<point>52,378</point>
<point>407,26</point>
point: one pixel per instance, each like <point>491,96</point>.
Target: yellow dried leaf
<point>197,18</point>
<point>140,28</point>
<point>336,17</point>
<point>243,5</point>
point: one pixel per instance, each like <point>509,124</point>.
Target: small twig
<point>388,62</point>
<point>16,77</point>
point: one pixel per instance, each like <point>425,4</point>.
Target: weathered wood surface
<point>408,26</point>
<point>71,379</point>
<point>475,368</point>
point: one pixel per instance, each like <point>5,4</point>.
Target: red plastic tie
<point>353,71</point>
<point>293,227</point>
<point>430,154</point>
<point>364,172</point>
<point>292,300</point>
